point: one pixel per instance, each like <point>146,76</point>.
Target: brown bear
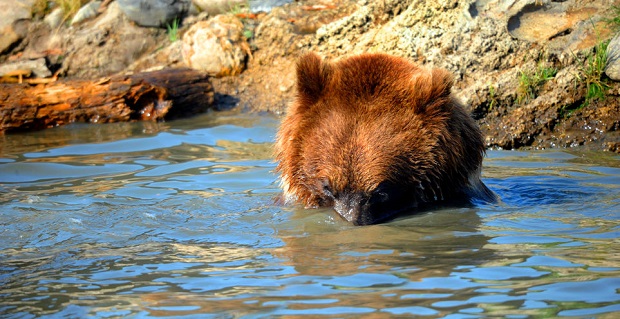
<point>373,135</point>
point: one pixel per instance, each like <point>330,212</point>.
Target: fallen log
<point>157,95</point>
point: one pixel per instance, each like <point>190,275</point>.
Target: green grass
<point>70,7</point>
<point>530,81</point>
<point>240,8</point>
<point>592,73</point>
<point>248,34</point>
<point>40,8</point>
<point>614,22</point>
<point>173,30</point>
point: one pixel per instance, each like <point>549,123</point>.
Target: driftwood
<point>168,93</point>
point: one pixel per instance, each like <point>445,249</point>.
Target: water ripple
<point>178,219</point>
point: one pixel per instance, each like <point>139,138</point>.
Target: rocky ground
<point>523,66</point>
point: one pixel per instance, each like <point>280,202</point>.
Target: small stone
<point>216,46</point>
<point>612,68</point>
<point>54,19</point>
<point>38,67</point>
<point>88,11</point>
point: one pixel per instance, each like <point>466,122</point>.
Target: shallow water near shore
<point>177,220</point>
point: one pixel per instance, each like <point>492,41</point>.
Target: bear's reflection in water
<point>426,244</point>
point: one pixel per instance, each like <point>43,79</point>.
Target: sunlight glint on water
<point>177,219</point>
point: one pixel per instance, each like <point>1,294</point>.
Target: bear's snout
<point>361,209</point>
<point>354,208</point>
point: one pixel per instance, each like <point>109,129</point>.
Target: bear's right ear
<point>312,77</point>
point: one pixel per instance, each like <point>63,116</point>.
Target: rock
<point>216,46</point>
<point>37,67</point>
<point>154,13</point>
<point>11,12</point>
<point>612,69</point>
<point>88,11</point>
<point>54,19</point>
<point>107,44</point>
<point>170,56</point>
<point>557,24</point>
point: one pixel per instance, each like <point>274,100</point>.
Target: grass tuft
<point>173,30</point>
<point>40,8</point>
<point>70,7</point>
<point>614,22</point>
<point>592,74</point>
<point>530,81</point>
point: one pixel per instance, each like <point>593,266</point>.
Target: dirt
<point>487,45</point>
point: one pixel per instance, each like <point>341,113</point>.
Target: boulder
<point>11,12</point>
<point>612,69</point>
<point>106,45</point>
<point>154,13</point>
<point>216,46</point>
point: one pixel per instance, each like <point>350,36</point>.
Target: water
<point>266,5</point>
<point>177,220</point>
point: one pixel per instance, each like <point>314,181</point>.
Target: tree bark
<point>156,95</point>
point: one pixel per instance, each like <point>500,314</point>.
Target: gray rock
<point>154,13</point>
<point>88,11</point>
<point>612,69</point>
<point>37,67</point>
<point>12,11</point>
<point>54,19</point>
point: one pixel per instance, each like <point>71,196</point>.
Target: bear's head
<point>374,135</point>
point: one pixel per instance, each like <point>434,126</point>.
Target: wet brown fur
<point>372,120</point>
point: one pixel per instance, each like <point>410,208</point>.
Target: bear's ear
<point>431,84</point>
<point>442,81</point>
<point>312,77</point>
<point>430,88</point>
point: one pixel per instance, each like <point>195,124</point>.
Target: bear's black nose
<point>357,209</point>
<point>385,202</point>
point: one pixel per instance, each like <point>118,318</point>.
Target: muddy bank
<point>519,65</point>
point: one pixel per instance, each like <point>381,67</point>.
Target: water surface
<point>177,220</point>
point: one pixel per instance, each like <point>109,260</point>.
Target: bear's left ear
<point>430,87</point>
<point>442,81</point>
<point>312,77</point>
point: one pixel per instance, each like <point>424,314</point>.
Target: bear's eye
<point>327,189</point>
<point>380,197</point>
<point>385,192</point>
